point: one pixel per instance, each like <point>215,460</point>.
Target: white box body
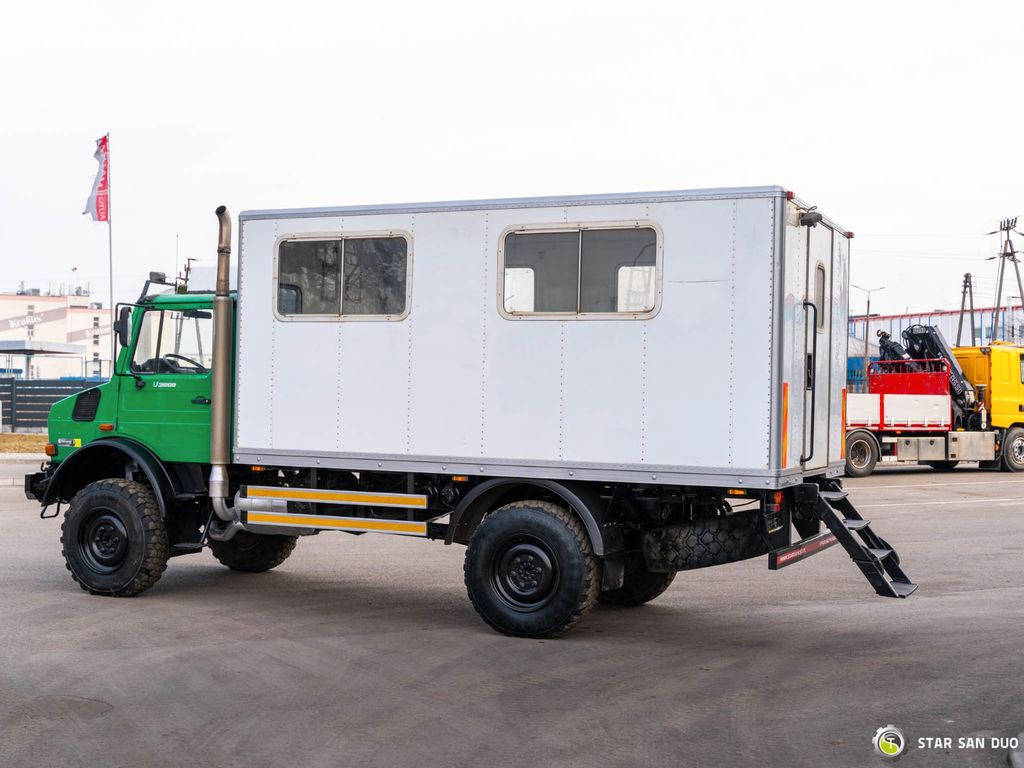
<point>710,389</point>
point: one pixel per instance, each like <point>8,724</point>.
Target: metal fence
<point>25,403</point>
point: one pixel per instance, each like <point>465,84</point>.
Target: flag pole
<point>110,268</point>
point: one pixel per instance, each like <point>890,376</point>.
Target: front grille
<point>86,405</point>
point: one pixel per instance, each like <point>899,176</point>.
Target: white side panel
<point>450,304</point>
<point>373,388</point>
<point>304,408</point>
<point>254,402</point>
<point>916,410</point>
<point>603,406</point>
<point>691,387</point>
<point>863,410</point>
<point>687,377</point>
<point>751,330</point>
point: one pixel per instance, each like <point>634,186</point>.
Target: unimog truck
<point>592,394</point>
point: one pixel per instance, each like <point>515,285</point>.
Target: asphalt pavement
<point>365,651</point>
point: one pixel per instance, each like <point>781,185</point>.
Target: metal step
<point>833,495</point>
<point>872,554</point>
<point>903,588</point>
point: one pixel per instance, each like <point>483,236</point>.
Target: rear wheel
<point>253,552</point>
<point>639,585</point>
<point>113,538</point>
<point>531,571</point>
<point>1013,449</point>
<point>943,466</point>
<point>861,454</point>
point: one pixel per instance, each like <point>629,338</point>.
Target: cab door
<point>1006,385</point>
<point>164,396</point>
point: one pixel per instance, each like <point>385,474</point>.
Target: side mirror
<point>123,326</point>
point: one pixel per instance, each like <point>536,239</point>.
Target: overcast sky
<point>901,120</point>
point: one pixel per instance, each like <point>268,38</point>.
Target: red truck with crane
<point>928,403</point>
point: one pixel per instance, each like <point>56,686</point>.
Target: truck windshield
<point>174,341</point>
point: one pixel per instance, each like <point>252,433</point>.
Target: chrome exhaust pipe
<point>220,408</point>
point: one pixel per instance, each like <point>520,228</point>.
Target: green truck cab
<point>159,397</point>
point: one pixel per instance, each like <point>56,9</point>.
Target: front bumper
<point>36,484</point>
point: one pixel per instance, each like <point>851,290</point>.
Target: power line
<point>921,234</point>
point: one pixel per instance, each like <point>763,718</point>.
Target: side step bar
<point>331,523</point>
<point>267,507</point>
<point>322,496</point>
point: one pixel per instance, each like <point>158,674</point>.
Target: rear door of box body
<point>814,347</point>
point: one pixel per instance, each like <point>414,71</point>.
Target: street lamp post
<point>867,328</point>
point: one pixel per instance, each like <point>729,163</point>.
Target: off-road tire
<point>253,552</point>
<point>943,466</point>
<point>702,543</point>
<point>862,454</point>
<point>531,571</point>
<point>639,585</point>
<point>1013,450</point>
<point>113,539</point>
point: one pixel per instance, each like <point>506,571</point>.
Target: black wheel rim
<point>859,454</point>
<point>525,573</point>
<point>103,541</point>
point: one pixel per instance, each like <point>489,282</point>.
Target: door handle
<point>812,367</point>
<point>200,400</point>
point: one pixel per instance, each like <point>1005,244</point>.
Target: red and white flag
<point>98,205</point>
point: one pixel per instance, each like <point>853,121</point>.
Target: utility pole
<point>966,295</point>
<point>1007,253</point>
<point>867,328</point>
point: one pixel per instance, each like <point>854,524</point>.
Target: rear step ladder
<point>879,563</point>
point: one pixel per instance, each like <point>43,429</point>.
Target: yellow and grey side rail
<point>268,506</point>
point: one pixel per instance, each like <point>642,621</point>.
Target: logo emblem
<point>890,742</point>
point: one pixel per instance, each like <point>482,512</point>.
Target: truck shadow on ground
<point>303,604</point>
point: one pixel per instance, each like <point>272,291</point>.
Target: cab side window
<point>174,341</point>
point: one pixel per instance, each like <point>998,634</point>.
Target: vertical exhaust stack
<point>220,410</point>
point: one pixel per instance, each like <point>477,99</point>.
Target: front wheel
<point>113,538</point>
<point>1013,450</point>
<point>531,571</point>
<point>861,454</point>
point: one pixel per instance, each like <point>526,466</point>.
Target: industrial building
<point>1009,327</point>
<point>53,335</point>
